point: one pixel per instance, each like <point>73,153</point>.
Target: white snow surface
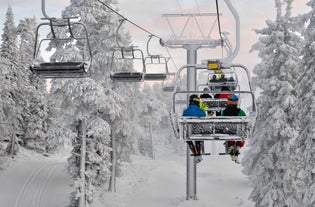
<point>33,180</point>
<point>162,183</point>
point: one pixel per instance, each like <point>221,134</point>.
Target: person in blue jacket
<point>195,110</point>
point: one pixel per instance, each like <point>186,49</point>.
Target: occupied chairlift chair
<point>67,69</point>
<point>211,128</point>
<point>221,76</point>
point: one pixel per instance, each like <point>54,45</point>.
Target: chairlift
<point>70,68</point>
<point>169,85</point>
<point>155,63</point>
<point>221,76</point>
<point>131,53</point>
<point>211,128</point>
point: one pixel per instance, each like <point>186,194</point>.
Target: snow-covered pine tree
<point>8,47</point>
<point>9,51</point>
<point>268,162</point>
<point>32,90</point>
<point>305,145</point>
<point>165,125</point>
<point>153,112</point>
<point>6,109</point>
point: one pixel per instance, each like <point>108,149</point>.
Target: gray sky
<point>147,13</point>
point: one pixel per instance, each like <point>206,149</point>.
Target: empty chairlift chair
<point>168,85</point>
<point>126,53</point>
<point>154,63</point>
<point>132,54</point>
<point>156,68</point>
<point>77,58</point>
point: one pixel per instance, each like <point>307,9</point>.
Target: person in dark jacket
<point>232,109</point>
<point>194,110</point>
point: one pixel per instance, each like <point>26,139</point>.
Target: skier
<point>232,109</point>
<point>194,110</point>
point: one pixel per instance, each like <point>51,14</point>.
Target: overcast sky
<point>147,13</point>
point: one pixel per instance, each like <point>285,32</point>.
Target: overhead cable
<point>125,19</point>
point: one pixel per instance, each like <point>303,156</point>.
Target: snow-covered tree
<point>8,48</point>
<point>32,91</point>
<point>268,161</point>
<point>305,145</point>
<point>94,98</point>
<point>115,108</point>
<point>6,103</point>
<point>10,92</point>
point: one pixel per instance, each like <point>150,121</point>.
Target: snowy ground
<point>162,183</point>
<point>33,180</point>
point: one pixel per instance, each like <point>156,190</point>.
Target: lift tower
<point>191,45</point>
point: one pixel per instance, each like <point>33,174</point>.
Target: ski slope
<point>33,180</point>
<point>162,183</point>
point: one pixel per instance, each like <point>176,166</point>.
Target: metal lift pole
<point>191,46</point>
<point>191,169</point>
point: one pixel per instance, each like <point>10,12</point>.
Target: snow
<point>35,180</point>
<point>32,180</point>
<point>162,183</point>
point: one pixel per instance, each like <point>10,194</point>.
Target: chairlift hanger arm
<point>121,21</point>
<point>237,32</point>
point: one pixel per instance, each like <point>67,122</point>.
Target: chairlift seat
<point>61,69</point>
<point>155,76</point>
<point>168,88</point>
<point>127,77</point>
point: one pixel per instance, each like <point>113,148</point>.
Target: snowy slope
<point>36,181</point>
<point>33,180</point>
<point>162,183</point>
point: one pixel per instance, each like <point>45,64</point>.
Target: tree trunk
<point>82,201</point>
<point>112,181</point>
